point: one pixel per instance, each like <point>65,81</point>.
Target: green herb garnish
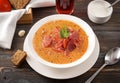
<point>64,33</point>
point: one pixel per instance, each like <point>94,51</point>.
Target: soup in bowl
<point>61,41</point>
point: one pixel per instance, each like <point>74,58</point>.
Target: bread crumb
<point>18,57</point>
<point>21,33</point>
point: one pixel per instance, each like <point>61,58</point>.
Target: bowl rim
<point>80,22</point>
<point>107,3</point>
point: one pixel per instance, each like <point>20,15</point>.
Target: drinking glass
<point>65,6</point>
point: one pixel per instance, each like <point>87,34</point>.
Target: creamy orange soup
<point>60,53</point>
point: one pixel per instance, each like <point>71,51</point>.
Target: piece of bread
<point>19,4</point>
<point>18,57</point>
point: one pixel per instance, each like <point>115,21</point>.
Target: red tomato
<point>5,6</point>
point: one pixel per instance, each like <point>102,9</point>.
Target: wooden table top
<point>108,35</point>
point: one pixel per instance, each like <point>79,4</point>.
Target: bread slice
<point>18,57</point>
<point>19,4</point>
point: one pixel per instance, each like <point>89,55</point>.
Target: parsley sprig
<point>64,33</point>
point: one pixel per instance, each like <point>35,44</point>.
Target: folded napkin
<point>8,21</point>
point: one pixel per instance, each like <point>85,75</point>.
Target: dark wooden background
<point>108,35</point>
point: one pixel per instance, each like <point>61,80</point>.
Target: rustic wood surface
<point>108,35</point>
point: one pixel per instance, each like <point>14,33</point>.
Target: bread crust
<point>19,4</point>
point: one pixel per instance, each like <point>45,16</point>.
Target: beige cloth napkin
<point>8,21</point>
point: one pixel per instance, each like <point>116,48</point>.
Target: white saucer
<point>63,73</point>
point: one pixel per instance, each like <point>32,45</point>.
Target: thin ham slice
<point>65,42</point>
<point>59,44</point>
<point>72,43</point>
<point>71,46</point>
<point>74,36</point>
<point>47,41</point>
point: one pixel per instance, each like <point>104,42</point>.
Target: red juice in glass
<point>65,6</point>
